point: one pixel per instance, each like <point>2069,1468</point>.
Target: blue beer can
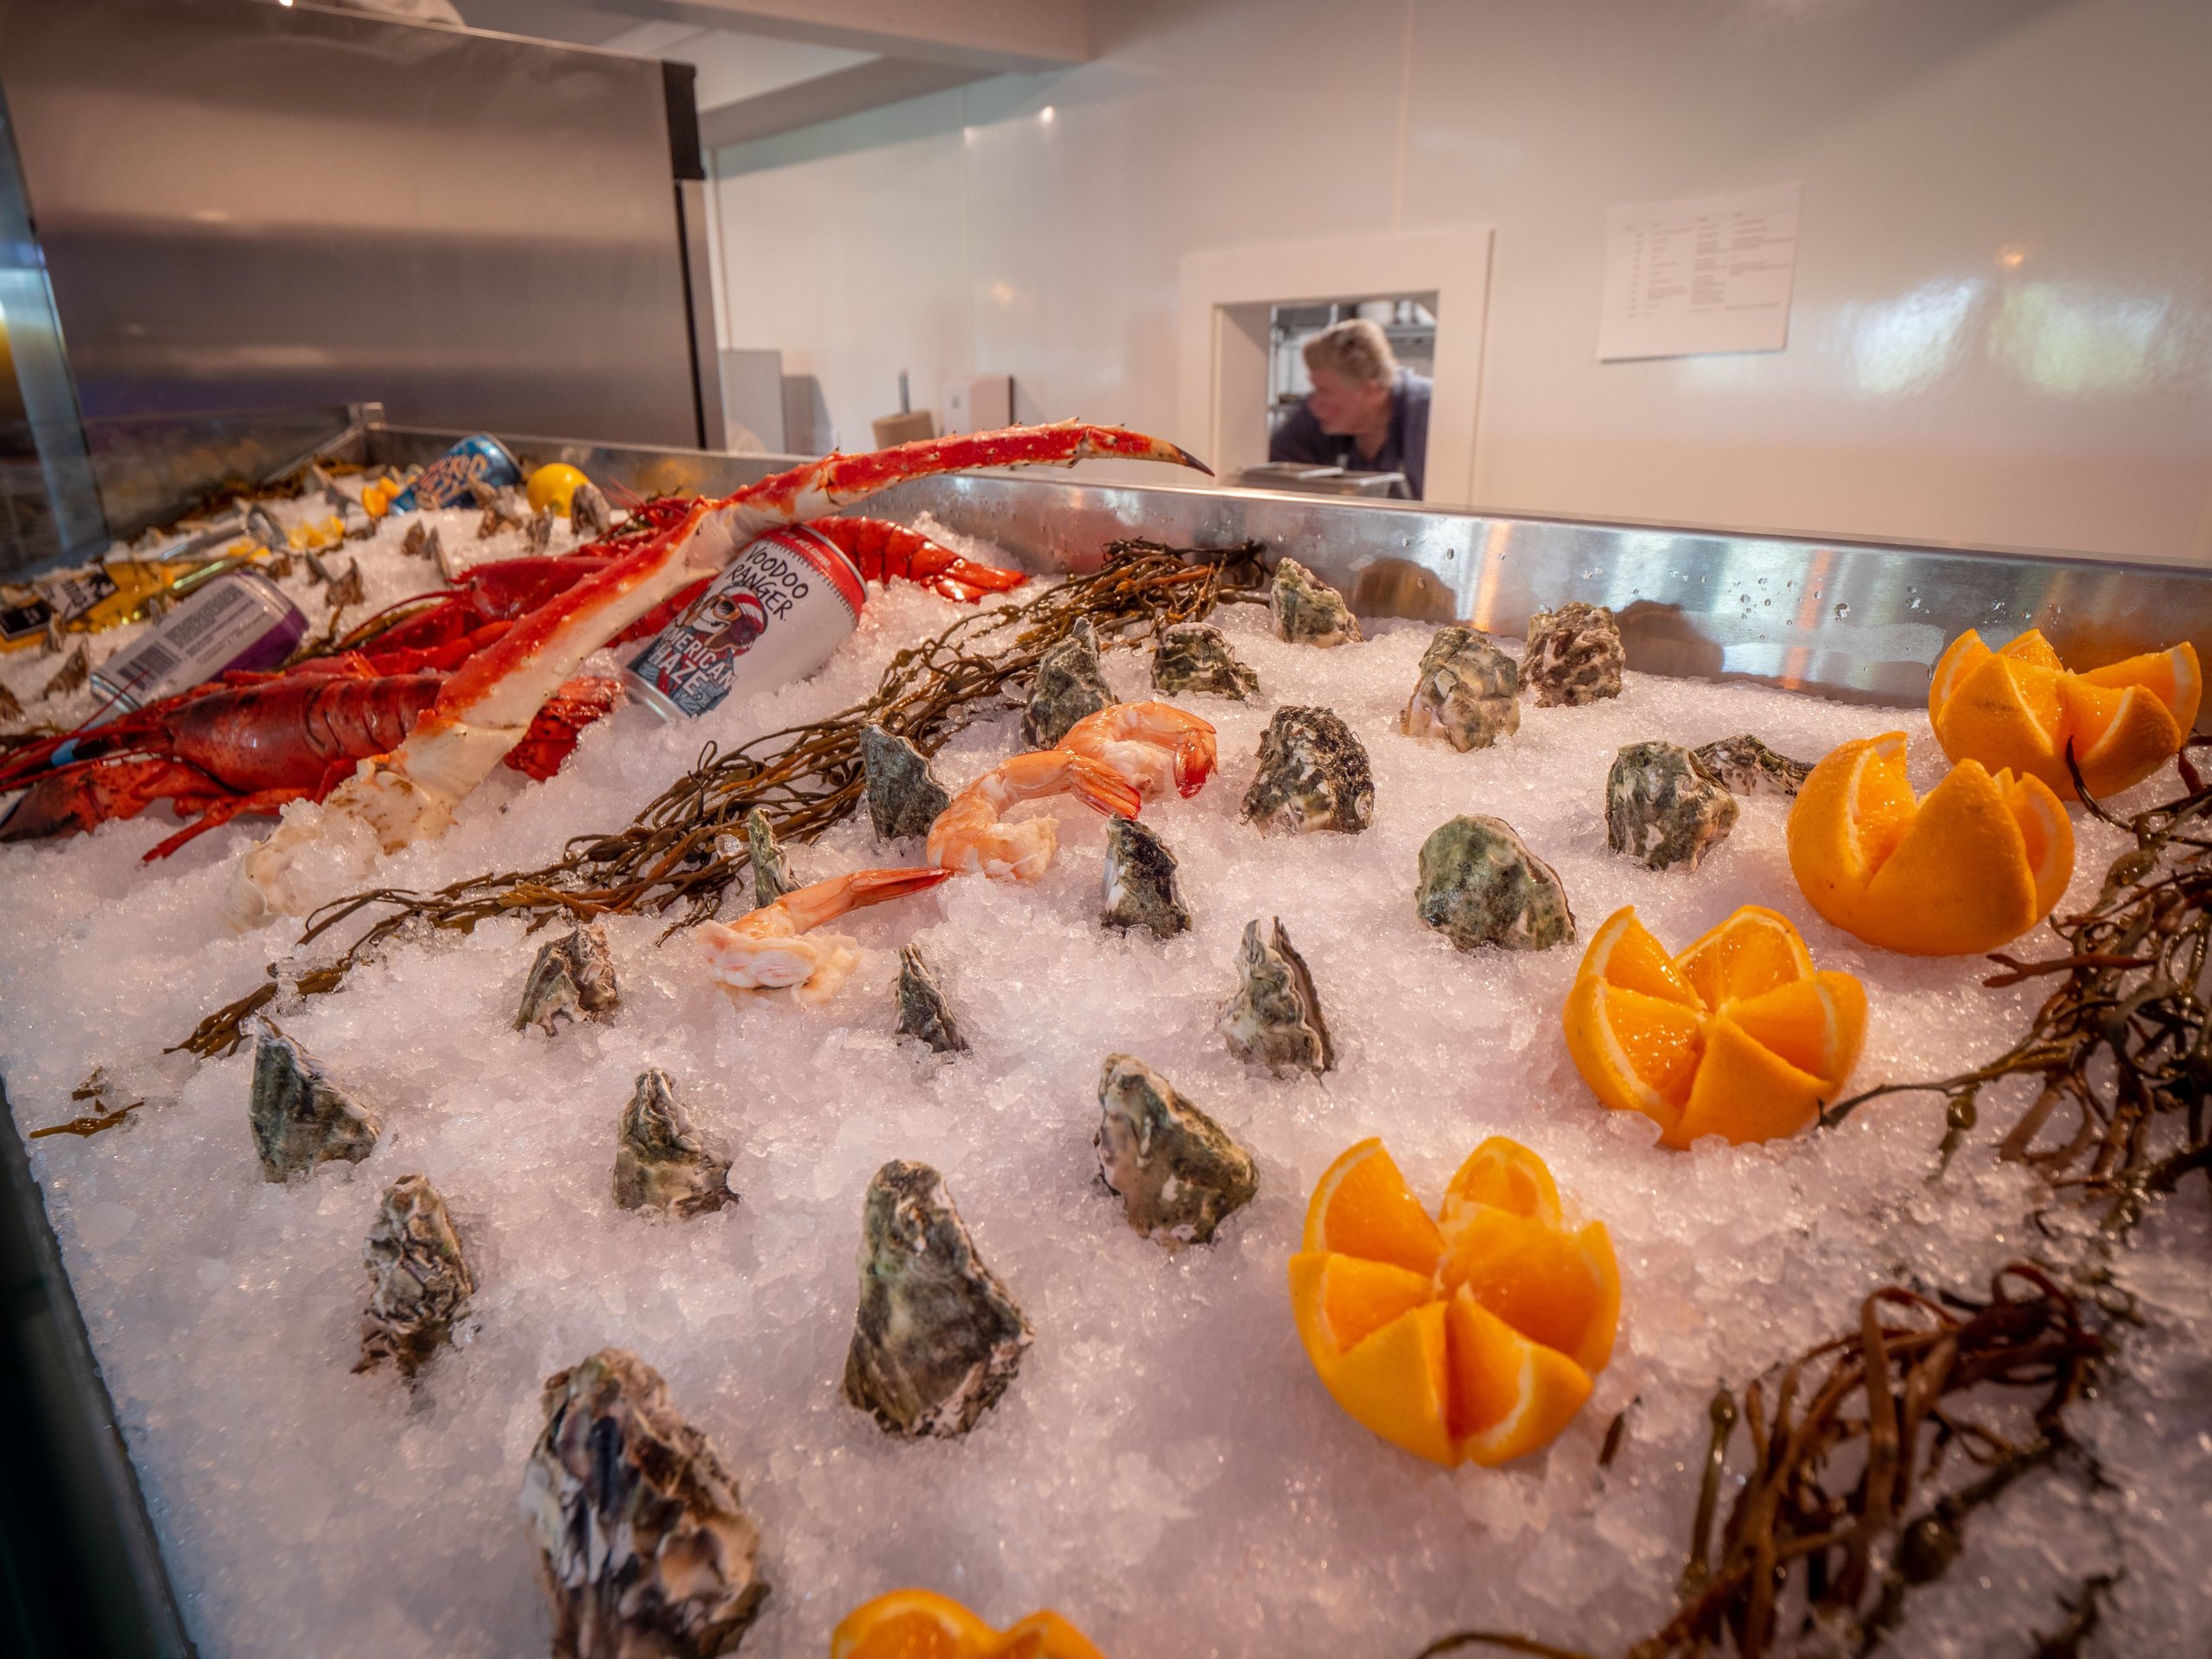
<point>481,459</point>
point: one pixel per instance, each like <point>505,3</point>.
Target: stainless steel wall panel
<point>249,206</point>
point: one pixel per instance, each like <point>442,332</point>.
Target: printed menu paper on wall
<point>1706,274</point>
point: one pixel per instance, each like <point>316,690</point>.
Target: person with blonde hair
<point>1365,413</point>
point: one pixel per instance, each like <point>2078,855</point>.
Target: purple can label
<point>777,614</point>
<point>444,483</point>
<point>237,621</point>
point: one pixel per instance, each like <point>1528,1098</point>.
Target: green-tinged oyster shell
<point>642,1546</point>
<point>938,1338</point>
<point>1662,807</point>
<point>419,1285</point>
<point>903,795</point>
<point>1469,693</point>
<point>300,1117</point>
<point>1747,765</point>
<point>771,872</point>
<point>923,1011</point>
<point>1070,685</point>
<point>572,978</point>
<point>1196,657</point>
<point>1176,1172</point>
<point>660,1161</point>
<point>1480,885</point>
<point>1313,775</point>
<point>1140,888</point>
<point>1275,1017</point>
<point>1575,655</point>
<point>1307,611</point>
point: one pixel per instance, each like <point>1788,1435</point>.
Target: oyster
<point>418,1285</point>
<point>1469,693</point>
<point>922,1010</point>
<point>1308,612</point>
<point>642,1546</point>
<point>589,516</point>
<point>1575,655</point>
<point>538,530</point>
<point>301,1118</point>
<point>1176,1172</point>
<point>1070,685</point>
<point>1313,775</point>
<point>1196,657</point>
<point>1140,885</point>
<point>937,1339</point>
<point>420,541</point>
<point>1747,765</point>
<point>1664,807</point>
<point>1275,1017</point>
<point>660,1161</point>
<point>903,795</point>
<point>572,978</point>
<point>771,874</point>
<point>1480,885</point>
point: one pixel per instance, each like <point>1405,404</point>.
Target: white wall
<point>2002,328</point>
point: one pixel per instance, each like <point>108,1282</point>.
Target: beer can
<point>481,459</point>
<point>237,621</point>
<point>776,614</point>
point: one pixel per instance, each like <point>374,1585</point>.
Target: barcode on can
<point>236,622</point>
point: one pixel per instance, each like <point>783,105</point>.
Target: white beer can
<point>781,610</point>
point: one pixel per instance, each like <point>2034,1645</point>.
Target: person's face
<point>1344,406</point>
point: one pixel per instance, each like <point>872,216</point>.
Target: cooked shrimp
<point>1150,744</point>
<point>969,834</point>
<point>773,948</point>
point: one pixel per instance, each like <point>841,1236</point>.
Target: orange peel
<point>2018,706</point>
<point>922,1625</point>
<point>1980,860</point>
<point>1471,1336</point>
<point>1736,1036</point>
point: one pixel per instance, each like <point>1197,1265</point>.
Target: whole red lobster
<point>249,743</point>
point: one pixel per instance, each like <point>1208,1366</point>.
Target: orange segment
<point>1749,954</point>
<point>1623,953</point>
<point>920,1624</point>
<point>2018,710</point>
<point>1044,1636</point>
<point>1779,1038</point>
<point>1490,1355</point>
<point>1979,861</point>
<point>1363,1207</point>
<point>1506,1174</point>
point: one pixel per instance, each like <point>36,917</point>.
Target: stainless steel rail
<point>1857,621</point>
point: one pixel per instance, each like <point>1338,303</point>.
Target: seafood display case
<point>1852,621</point>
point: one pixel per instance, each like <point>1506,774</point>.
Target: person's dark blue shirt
<point>1405,450</point>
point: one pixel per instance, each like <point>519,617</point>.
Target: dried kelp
<point>685,848</point>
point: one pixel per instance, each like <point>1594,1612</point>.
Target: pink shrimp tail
<point>810,907</point>
<point>1194,762</point>
<point>1101,788</point>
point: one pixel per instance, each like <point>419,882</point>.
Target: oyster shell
<point>660,1161</point>
<point>903,795</point>
<point>923,1012</point>
<point>300,1117</point>
<point>1747,765</point>
<point>642,1546</point>
<point>1480,885</point>
<point>771,872</point>
<point>1575,655</point>
<point>1140,885</point>
<point>1469,693</point>
<point>1275,1017</point>
<point>1308,612</point>
<point>1313,775</point>
<point>1176,1172</point>
<point>1664,807</point>
<point>1070,685</point>
<point>1196,657</point>
<point>572,978</point>
<point>538,530</point>
<point>419,1285</point>
<point>937,1339</point>
<point>589,516</point>
<point>420,541</point>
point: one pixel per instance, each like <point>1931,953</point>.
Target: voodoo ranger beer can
<point>481,459</point>
<point>237,621</point>
<point>783,606</point>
